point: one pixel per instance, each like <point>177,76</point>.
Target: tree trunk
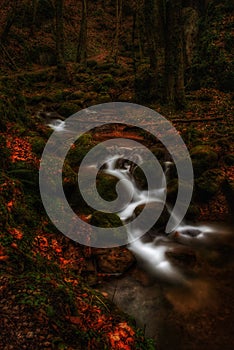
<point>154,24</point>
<point>154,13</point>
<point>60,54</point>
<point>34,14</point>
<point>81,56</point>
<point>115,47</point>
<point>174,54</point>
<point>59,33</point>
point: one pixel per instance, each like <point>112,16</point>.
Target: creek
<point>181,290</point>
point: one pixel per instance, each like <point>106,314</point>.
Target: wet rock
<point>203,158</point>
<point>229,159</point>
<point>118,234</point>
<point>76,95</point>
<point>210,182</point>
<point>172,189</point>
<point>114,260</point>
<point>182,256</point>
<point>68,108</point>
<point>140,174</point>
<point>106,185</point>
<point>193,212</point>
<point>156,210</point>
<point>160,153</point>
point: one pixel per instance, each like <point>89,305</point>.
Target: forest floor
<point>46,298</point>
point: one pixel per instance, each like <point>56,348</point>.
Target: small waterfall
<point>153,255</point>
<point>57,125</point>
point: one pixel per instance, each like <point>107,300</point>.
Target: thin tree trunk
<point>60,53</point>
<point>34,14</point>
<point>115,47</point>
<point>81,56</point>
<point>154,25</point>
<point>174,54</point>
<point>59,33</point>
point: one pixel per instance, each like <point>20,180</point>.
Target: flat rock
<point>113,260</point>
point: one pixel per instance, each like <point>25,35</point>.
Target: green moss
<point>210,182</point>
<point>106,185</point>
<point>101,219</point>
<point>140,176</point>
<point>203,158</point>
<point>66,109</point>
<point>108,221</point>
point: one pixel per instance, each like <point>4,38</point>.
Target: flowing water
<point>181,291</point>
<point>182,303</point>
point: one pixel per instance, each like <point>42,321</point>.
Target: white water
<point>152,255</point>
<point>57,125</point>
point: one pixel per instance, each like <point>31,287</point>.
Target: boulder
<point>210,182</point>
<point>108,221</point>
<point>113,260</point>
<point>182,256</point>
<point>203,158</point>
<point>153,209</point>
<point>229,159</point>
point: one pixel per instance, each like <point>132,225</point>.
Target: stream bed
<point>196,315</point>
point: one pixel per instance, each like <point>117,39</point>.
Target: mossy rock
<point>229,159</point>
<point>160,153</point>
<point>203,158</point>
<point>210,182</point>
<point>172,189</point>
<point>109,221</point>
<point>152,210</point>
<point>106,185</point>
<point>89,96</point>
<point>85,140</point>
<point>193,212</point>
<point>58,96</point>
<point>75,156</point>
<point>82,146</point>
<point>66,109</point>
<point>115,260</point>
<point>106,220</point>
<point>69,179</point>
<point>76,95</point>
<point>102,99</point>
<point>140,176</point>
<point>109,81</point>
